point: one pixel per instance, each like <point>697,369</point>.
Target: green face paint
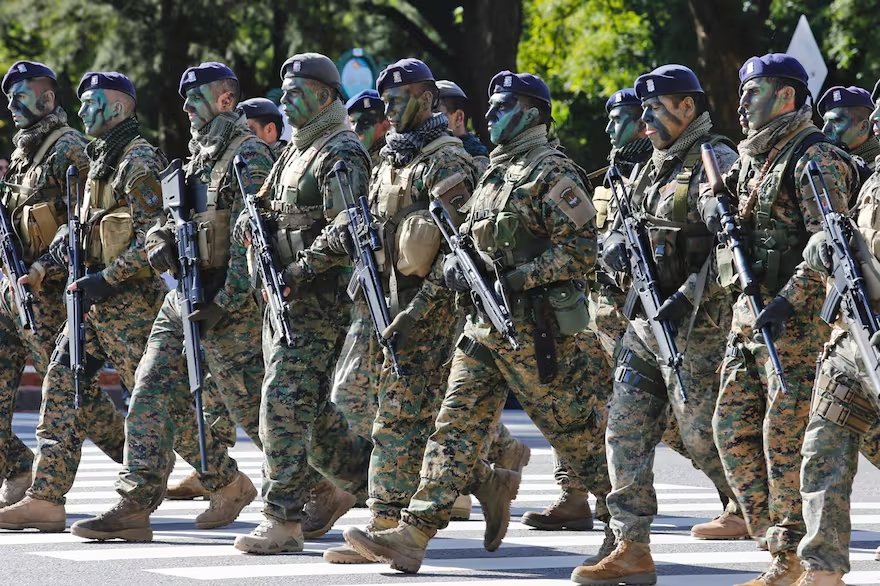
<point>364,125</point>
<point>200,105</point>
<point>664,120</point>
<point>26,106</point>
<point>623,125</point>
<point>401,108</point>
<point>300,101</point>
<point>507,117</point>
<point>840,126</point>
<point>760,102</point>
<point>95,112</point>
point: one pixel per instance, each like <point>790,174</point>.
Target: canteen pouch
<point>418,242</point>
<point>569,303</point>
<point>213,230</point>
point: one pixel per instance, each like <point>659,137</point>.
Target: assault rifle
<point>731,236</point>
<point>76,327</point>
<point>366,276</point>
<point>495,307</point>
<point>270,276</point>
<point>644,278</point>
<point>24,298</point>
<point>179,200</point>
<point>848,295</point>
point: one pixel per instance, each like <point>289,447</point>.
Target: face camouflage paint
<point>95,112</point>
<point>401,108</point>
<point>623,125</point>
<point>760,102</point>
<point>364,125</point>
<point>506,117</point>
<point>300,101</point>
<point>25,105</point>
<point>663,120</point>
<point>200,106</point>
<point>840,126</point>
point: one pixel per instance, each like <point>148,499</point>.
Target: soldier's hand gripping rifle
<point>366,275</point>
<point>731,236</point>
<point>644,278</point>
<point>848,294</point>
<point>272,279</point>
<point>493,306</point>
<point>178,200</point>
<point>73,300</point>
<point>24,298</point>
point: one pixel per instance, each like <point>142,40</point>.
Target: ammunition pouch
<point>39,223</point>
<point>213,235</point>
<point>841,402</point>
<point>294,232</point>
<point>109,235</point>
<point>568,301</point>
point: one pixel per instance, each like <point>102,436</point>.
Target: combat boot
<point>13,488</point>
<point>726,526</point>
<point>570,511</point>
<point>327,502</point>
<point>272,536</point>
<point>31,513</point>
<point>461,508</point>
<point>227,502</point>
<point>820,578</point>
<point>514,458</point>
<point>495,495</point>
<point>403,547</point>
<point>187,488</point>
<point>608,545</point>
<point>784,570</point>
<point>629,563</point>
<point>346,554</point>
<point>127,520</point>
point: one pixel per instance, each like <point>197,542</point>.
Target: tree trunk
<point>172,62</point>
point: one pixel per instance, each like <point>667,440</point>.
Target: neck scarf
<point>209,143</point>
<point>332,115</point>
<point>698,128</point>
<point>28,140</point>
<point>521,143</point>
<point>104,152</point>
<point>402,147</point>
<point>758,142</point>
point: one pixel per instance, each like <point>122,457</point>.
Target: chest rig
<point>31,200</point>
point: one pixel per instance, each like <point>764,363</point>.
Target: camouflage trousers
<point>303,432</point>
<point>753,418</point>
<point>161,418</point>
<point>567,411</point>
<point>115,332</point>
<point>645,390</point>
<point>831,453</point>
<point>356,377</point>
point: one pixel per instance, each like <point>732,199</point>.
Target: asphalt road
<point>182,554</point>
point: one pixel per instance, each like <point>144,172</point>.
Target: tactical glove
<point>95,288</point>
<point>208,316</point>
<point>401,327</point>
<point>775,315</point>
<point>875,339</point>
<point>161,253</point>
<point>710,214</point>
<point>817,255</point>
<point>58,246</point>
<point>614,253</point>
<point>293,274</point>
<point>453,276</point>
<point>675,308</point>
<point>241,231</point>
<point>339,240</point>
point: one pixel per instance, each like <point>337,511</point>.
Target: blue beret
<point>844,97</point>
<point>773,65</point>
<point>25,70</point>
<point>106,80</point>
<point>667,80</point>
<point>202,74</point>
<point>624,97</point>
<point>313,66</point>
<point>403,72</point>
<point>450,89</point>
<point>365,101</point>
<point>259,108</point>
<point>524,84</point>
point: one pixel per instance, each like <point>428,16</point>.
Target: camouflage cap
<point>202,74</point>
<point>667,80</point>
<point>313,66</point>
<point>403,72</point>
<point>844,97</point>
<point>625,97</point>
<point>106,80</point>
<point>524,84</point>
<point>26,70</point>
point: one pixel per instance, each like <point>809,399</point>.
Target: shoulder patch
<point>572,201</point>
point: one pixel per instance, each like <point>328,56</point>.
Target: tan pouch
<point>213,230</point>
<point>38,227</point>
<point>483,233</point>
<point>116,231</point>
<point>602,197</point>
<point>418,242</point>
<point>727,275</point>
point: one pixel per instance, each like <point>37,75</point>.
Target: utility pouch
<point>418,242</point>
<point>115,233</point>
<point>569,304</point>
<point>727,275</point>
<point>39,225</point>
<point>213,230</point>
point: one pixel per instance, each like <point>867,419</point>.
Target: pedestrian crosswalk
<point>182,554</point>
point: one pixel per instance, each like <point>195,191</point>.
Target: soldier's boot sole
<point>584,524</point>
<point>402,561</point>
<point>633,580</point>
<point>345,554</point>
<point>47,527</point>
<point>140,534</point>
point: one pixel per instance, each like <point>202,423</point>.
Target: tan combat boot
<point>272,536</point>
<point>187,488</point>
<point>31,513</point>
<point>327,502</point>
<point>13,488</point>
<point>403,547</point>
<point>570,511</point>
<point>127,520</point>
<point>227,502</point>
<point>514,458</point>
<point>726,526</point>
<point>629,563</point>
<point>495,495</point>
<point>784,570</point>
<point>820,578</point>
<point>461,508</point>
<point>608,545</point>
<point>346,554</point>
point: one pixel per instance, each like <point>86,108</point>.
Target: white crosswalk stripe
<point>180,553</point>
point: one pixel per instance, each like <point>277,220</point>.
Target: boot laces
<point>120,507</point>
<point>778,567</point>
<point>263,528</point>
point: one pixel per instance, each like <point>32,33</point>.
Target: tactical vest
<point>301,207</point>
<point>36,223</point>
<point>776,249</point>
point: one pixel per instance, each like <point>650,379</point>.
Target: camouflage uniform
<point>357,372</point>
<point>753,416</point>
<point>524,178</point>
<point>38,174</point>
<point>116,328</point>
<point>645,389</point>
<point>160,417</point>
